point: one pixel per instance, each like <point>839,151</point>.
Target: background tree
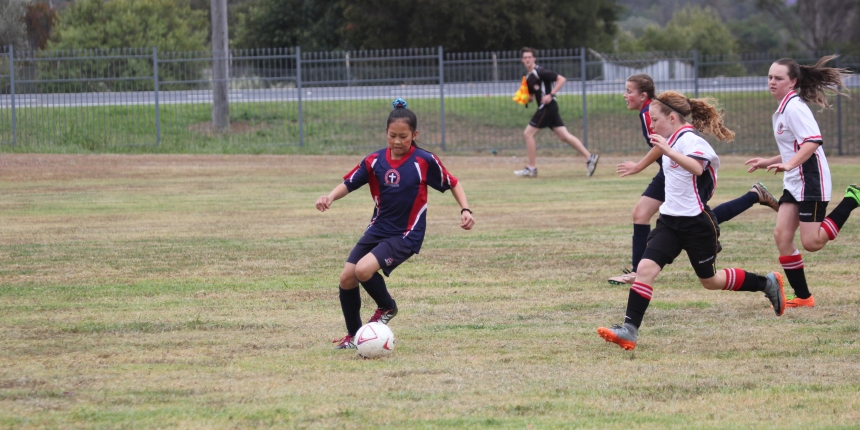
<point>312,24</point>
<point>13,30</point>
<point>40,18</point>
<point>479,25</point>
<point>169,25</point>
<point>817,24</point>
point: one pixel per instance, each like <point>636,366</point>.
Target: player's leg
<point>350,304</point>
<point>758,193</point>
<point>531,152</point>
<point>645,208</point>
<point>834,221</point>
<point>571,140</point>
<point>389,254</point>
<point>787,223</point>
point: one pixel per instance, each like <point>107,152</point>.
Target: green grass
<point>472,124</point>
<point>200,291</point>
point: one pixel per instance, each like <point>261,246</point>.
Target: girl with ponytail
<point>806,180</point>
<point>686,222</point>
<point>398,177</point>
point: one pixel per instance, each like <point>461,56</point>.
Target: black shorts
<point>657,188</point>
<point>698,235</point>
<point>390,252</point>
<point>809,211</point>
<point>547,117</point>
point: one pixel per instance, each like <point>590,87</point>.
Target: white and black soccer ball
<point>374,340</point>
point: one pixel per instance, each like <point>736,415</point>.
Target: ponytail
<point>703,113</point>
<point>813,82</point>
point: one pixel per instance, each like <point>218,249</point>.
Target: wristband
<point>464,210</point>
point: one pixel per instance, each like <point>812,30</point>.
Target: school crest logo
<point>389,261</point>
<point>780,128</point>
<point>392,178</point>
<point>674,165</point>
<point>537,87</point>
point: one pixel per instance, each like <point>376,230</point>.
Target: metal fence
<point>289,101</point>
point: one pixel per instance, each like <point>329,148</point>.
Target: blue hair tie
<point>399,103</point>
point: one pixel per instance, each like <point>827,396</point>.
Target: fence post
<point>696,72</point>
<point>838,111</point>
<point>583,72</point>
<point>348,83</point>
<point>495,67</point>
<point>155,81</point>
<point>299,92</point>
<point>442,95</point>
<point>12,93</point>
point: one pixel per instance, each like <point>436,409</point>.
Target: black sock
<point>375,287</point>
<point>640,242</point>
<point>733,208</point>
<point>753,282</point>
<point>350,304</point>
<point>637,303</point>
<point>841,213</point>
<point>792,265</point>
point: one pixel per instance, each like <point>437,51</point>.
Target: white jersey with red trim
<point>793,127</point>
<point>686,193</point>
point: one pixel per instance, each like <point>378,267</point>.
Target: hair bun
<point>399,103</point>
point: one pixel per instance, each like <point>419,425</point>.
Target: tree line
<point>475,25</point>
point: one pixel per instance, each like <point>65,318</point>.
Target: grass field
<point>200,291</point>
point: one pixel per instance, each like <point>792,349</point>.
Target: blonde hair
<point>703,113</point>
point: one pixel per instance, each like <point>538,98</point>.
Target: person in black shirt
<point>543,85</point>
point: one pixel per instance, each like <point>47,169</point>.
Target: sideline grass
<point>160,291</point>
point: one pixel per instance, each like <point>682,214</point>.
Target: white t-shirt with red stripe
<point>793,127</point>
<point>686,193</point>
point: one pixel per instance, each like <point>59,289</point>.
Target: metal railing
<point>289,101</point>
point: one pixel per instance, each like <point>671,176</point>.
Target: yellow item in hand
<point>522,95</point>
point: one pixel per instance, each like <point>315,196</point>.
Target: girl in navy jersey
<point>686,222</point>
<point>806,181</point>
<point>639,92</point>
<point>398,177</point>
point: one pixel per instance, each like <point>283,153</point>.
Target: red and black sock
<point>637,303</point>
<point>376,289</point>
<point>793,267</point>
<point>741,280</point>
<point>350,304</point>
<point>640,242</point>
<point>837,218</point>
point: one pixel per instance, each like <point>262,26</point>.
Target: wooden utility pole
<point>220,67</point>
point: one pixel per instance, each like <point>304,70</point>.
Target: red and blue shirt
<point>399,191</point>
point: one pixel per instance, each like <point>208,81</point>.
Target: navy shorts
<point>390,252</point>
<point>657,188</point>
<point>809,211</point>
<point>547,117</point>
<point>698,235</point>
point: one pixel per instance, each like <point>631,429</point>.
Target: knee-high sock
<point>640,242</point>
<point>834,222</point>
<point>733,208</point>
<point>376,289</point>
<point>637,303</point>
<point>741,280</point>
<point>793,267</point>
<point>350,304</point>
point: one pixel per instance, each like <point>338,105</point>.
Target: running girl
<point>806,181</point>
<point>686,222</point>
<point>398,177</point>
<point>639,92</point>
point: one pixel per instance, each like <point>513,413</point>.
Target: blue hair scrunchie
<point>399,103</point>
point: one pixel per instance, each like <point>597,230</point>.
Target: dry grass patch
<point>200,292</point>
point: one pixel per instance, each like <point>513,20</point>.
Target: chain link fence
<point>289,101</point>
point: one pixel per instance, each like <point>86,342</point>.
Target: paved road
<point>483,89</point>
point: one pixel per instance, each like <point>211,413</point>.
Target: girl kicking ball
<point>398,177</point>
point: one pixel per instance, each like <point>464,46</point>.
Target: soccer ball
<point>374,340</point>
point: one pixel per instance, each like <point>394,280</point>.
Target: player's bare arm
<point>324,202</point>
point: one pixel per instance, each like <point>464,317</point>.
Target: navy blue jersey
<point>645,119</point>
<point>399,191</point>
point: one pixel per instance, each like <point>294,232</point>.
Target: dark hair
<point>527,49</point>
<point>401,113</point>
<point>704,114</point>
<point>644,84</point>
<point>812,81</point>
